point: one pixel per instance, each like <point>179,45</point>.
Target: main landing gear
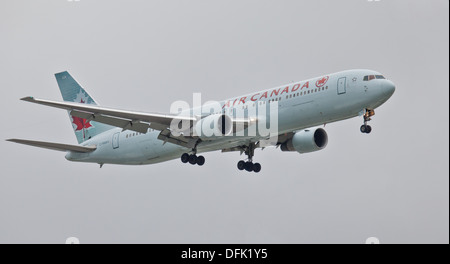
<point>193,159</point>
<point>249,165</point>
<point>242,165</point>
<point>366,129</point>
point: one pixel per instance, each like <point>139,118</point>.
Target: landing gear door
<point>115,141</point>
<point>342,83</point>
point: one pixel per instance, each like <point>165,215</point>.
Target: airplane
<point>112,136</point>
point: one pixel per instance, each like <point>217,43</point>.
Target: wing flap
<point>187,142</point>
<point>54,146</point>
<point>137,126</point>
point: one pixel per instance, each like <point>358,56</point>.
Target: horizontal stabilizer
<point>54,146</point>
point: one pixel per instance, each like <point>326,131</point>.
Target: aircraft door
<point>342,83</point>
<point>115,140</point>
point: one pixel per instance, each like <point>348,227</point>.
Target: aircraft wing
<point>131,120</point>
<point>128,120</point>
<point>54,146</point>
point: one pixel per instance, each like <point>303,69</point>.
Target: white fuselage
<point>301,105</point>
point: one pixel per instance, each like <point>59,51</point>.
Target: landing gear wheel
<point>249,166</point>
<point>257,167</point>
<point>363,128</point>
<point>193,159</point>
<point>241,165</point>
<point>200,160</point>
<point>185,158</point>
<point>366,129</point>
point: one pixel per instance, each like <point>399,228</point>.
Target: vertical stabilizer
<point>71,91</point>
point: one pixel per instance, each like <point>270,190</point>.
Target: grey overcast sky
<point>143,55</point>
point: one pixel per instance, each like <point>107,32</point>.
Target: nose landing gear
<point>366,129</point>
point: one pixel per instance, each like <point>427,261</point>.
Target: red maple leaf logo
<point>81,123</point>
<point>322,82</point>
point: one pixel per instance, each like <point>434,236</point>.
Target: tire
<point>193,159</point>
<point>185,158</point>
<point>368,129</point>
<point>249,166</point>
<point>363,129</point>
<point>241,165</point>
<point>200,160</point>
<point>257,167</point>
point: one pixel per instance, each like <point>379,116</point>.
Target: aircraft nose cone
<point>389,88</point>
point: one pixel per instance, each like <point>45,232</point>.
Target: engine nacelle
<point>305,141</point>
<point>213,126</point>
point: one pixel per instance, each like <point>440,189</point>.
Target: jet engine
<point>213,126</point>
<point>305,141</point>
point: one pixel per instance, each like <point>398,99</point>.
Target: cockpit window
<point>373,77</point>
